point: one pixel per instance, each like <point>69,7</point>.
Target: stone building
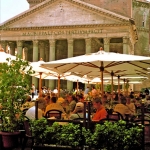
<point>57,29</point>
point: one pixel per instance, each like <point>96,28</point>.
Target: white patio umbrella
<point>75,78</point>
<point>47,76</point>
<point>4,56</point>
<point>104,62</point>
<point>43,73</point>
<point>39,72</point>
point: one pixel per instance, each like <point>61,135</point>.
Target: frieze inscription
<point>67,32</point>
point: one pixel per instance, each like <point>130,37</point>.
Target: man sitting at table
<point>53,105</point>
<point>101,113</point>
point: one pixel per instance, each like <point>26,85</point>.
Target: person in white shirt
<point>28,103</point>
<point>41,107</point>
<point>55,91</point>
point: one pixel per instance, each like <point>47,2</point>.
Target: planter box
<point>9,139</point>
<point>61,147</point>
<point>54,147</point>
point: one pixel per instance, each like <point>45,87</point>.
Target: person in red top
<point>101,113</point>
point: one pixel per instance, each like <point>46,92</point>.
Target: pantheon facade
<point>57,29</point>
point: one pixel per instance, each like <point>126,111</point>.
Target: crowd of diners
<point>72,104</point>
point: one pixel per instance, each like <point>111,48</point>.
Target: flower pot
<point>9,139</point>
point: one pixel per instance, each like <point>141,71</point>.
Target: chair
<point>109,111</point>
<point>24,110</point>
<point>139,117</point>
<point>53,113</point>
<point>115,115</point>
<point>28,133</point>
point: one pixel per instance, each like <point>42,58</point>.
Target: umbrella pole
<point>118,88</point>
<point>77,86</point>
<point>59,86</point>
<point>127,92</point>
<point>40,84</point>
<point>112,84</point>
<point>118,85</point>
<point>102,70</point>
<point>124,80</point>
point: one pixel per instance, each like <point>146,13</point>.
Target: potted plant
<point>14,85</point>
<point>113,136</point>
<point>56,136</point>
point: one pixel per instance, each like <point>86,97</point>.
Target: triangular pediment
<point>64,13</point>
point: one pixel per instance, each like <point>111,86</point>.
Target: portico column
<point>26,53</point>
<point>42,55</point>
<point>106,44</point>
<point>88,42</point>
<point>125,45</point>
<point>52,52</point>
<point>70,54</point>
<point>41,49</point>
<point>35,59</point>
<point>35,51</point>
<point>47,53</point>
<point>12,48</point>
<point>47,60</point>
<point>19,48</point>
<point>88,45</point>
<point>4,44</point>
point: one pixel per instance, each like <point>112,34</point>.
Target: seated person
<point>130,105</point>
<point>101,113</point>
<point>78,112</point>
<point>54,105</point>
<point>122,108</point>
<point>28,103</point>
<point>41,107</point>
<point>64,104</point>
<point>47,99</point>
<point>72,102</point>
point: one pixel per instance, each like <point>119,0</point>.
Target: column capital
<point>88,41</point>
<point>19,43</point>
<point>70,41</point>
<point>52,42</point>
<point>125,40</point>
<point>41,43</point>
<point>107,40</point>
<point>35,42</point>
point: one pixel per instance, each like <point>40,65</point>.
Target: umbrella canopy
<point>111,61</point>
<point>104,62</point>
<point>4,56</point>
<point>50,74</point>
